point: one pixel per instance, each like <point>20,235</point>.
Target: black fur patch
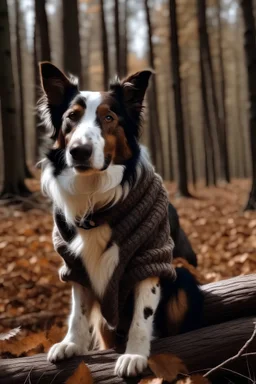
<point>170,289</point>
<point>131,125</point>
<point>57,158</point>
<point>147,312</point>
<point>182,246</point>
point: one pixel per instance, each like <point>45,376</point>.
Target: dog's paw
<point>64,350</point>
<point>130,365</point>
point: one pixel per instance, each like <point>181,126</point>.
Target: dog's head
<point>92,130</point>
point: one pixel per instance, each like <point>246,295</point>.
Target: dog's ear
<point>59,90</point>
<point>135,86</point>
<point>131,92</point>
<point>54,83</point>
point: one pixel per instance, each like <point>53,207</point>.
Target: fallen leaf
<point>21,346</point>
<point>55,334</point>
<point>151,380</point>
<point>82,375</point>
<point>7,335</point>
<point>194,379</point>
<point>166,366</point>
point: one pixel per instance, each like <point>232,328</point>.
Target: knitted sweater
<point>140,228</point>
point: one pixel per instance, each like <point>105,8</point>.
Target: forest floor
<point>32,297</point>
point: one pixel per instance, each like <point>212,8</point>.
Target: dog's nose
<point>81,152</point>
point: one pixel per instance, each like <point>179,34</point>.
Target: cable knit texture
<point>140,228</point>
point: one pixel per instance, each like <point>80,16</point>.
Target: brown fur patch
<point>176,310</point>
<point>113,133</point>
<point>123,151</point>
<point>66,134</point>
<point>104,337</point>
<point>154,281</point>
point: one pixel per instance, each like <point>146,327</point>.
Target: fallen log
<point>224,301</point>
<point>229,299</point>
<point>200,350</point>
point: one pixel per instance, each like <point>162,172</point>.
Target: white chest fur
<point>100,263</point>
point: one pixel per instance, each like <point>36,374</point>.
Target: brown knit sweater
<point>140,228</point>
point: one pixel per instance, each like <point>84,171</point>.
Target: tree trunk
<point>40,129</point>
<point>42,52</point>
<point>210,162</point>
<point>189,131</point>
<point>104,40</point>
<point>179,119</point>
<point>237,100</point>
<point>14,172</point>
<point>153,102</point>
<point>20,88</point>
<point>250,53</point>
<point>87,55</point>
<point>220,148</point>
<point>71,39</point>
<point>125,41</point>
<point>44,43</point>
<point>223,114</point>
<point>117,38</point>
<point>169,128</point>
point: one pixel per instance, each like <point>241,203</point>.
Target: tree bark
<point>153,102</point>
<point>117,38</point>
<point>71,38</point>
<point>169,128</point>
<point>125,41</point>
<point>229,299</point>
<point>250,53</point>
<point>42,52</point>
<point>20,88</point>
<point>223,114</point>
<point>189,131</point>
<point>14,171</point>
<point>197,349</point>
<point>210,162</point>
<point>220,146</point>
<point>104,40</point>
<point>87,55</point>
<point>41,18</point>
<point>238,99</point>
<point>176,83</point>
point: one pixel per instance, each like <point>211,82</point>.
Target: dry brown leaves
<point>222,234</point>
<point>82,375</point>
<point>167,368</point>
<point>31,344</point>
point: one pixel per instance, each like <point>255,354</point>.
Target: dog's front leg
<point>77,339</point>
<point>147,297</point>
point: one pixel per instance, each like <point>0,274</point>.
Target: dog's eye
<point>72,115</point>
<point>109,118</point>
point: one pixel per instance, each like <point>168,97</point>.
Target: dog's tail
<point>183,247</point>
<point>181,306</point>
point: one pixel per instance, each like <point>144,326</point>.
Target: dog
<point>111,222</point>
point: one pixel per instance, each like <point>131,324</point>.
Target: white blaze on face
<point>88,131</point>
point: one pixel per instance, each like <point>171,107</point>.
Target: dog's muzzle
<point>81,154</point>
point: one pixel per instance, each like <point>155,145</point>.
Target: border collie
<point>94,164</point>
